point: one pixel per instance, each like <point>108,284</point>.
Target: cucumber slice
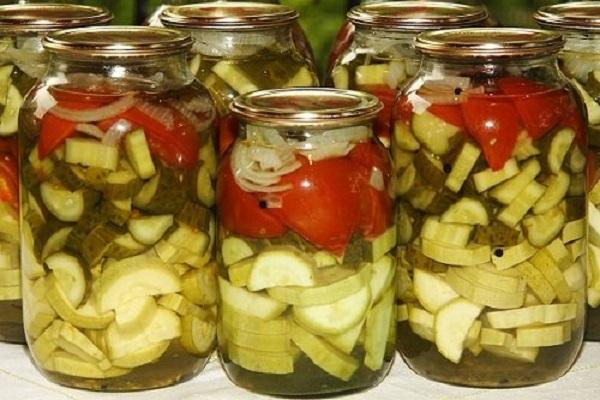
<point>340,77</point>
<point>281,266</point>
<point>574,230</point>
<point>489,178</point>
<point>346,341</point>
<point>541,229</point>
<point>377,329</point>
<point>133,277</point>
<point>31,267</point>
<point>65,205</point>
<point>433,132</point>
<point>508,257</point>
<point>190,239</point>
<point>37,312</point>
<point>577,160</point>
<point>421,323</point>
<point>404,138</point>
<point>42,167</point>
<point>234,77</point>
<point>208,156</point>
<point>575,277</point>
<point>138,154</point>
<point>5,80</point>
<point>559,147</point>
<point>198,336</point>
<point>406,180</point>
<point>259,342</point>
<point>261,361</point>
<point>331,285</point>
<point>593,296</point>
<point>557,188</point>
<point>544,336</point>
<point>448,234</point>
<point>240,272</point>
<point>452,325</point>
<point>9,120</point>
<point>465,285</point>
<point>379,246</point>
<point>383,272</point>
<point>69,364</point>
<point>489,277</point>
<point>512,214</point>
<point>69,274</point>
<point>325,356</point>
<point>462,167</point>
<point>544,262</point>
<point>302,78</point>
<point>91,153</point>
<point>45,344</point>
<point>337,317</point>
<point>593,215</point>
<point>250,304</point>
<point>56,242</point>
<point>146,355</point>
<point>204,188</point>
<point>375,74</point>
<point>537,282</point>
<point>149,230</point>
<point>200,285</point>
<point>73,341</point>
<point>246,323</point>
<point>121,185</point>
<point>182,306</point>
<point>9,256</point>
<point>147,192</point>
<point>524,147</point>
<point>532,315</point>
<point>466,211</point>
<point>508,191</point>
<point>234,249</point>
<point>402,159</point>
<point>125,246</point>
<point>165,325</point>
<point>402,313</point>
<point>494,337</point>
<point>432,290</point>
<point>471,255</point>
<point>135,314</point>
<point>577,185</point>
<point>593,108</point>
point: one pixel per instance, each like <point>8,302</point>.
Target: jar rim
<point>31,18</point>
<point>117,41</point>
<point>416,15</point>
<point>228,16</point>
<point>315,107</point>
<point>578,16</point>
<point>489,43</point>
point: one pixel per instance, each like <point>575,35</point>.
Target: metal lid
<point>316,107</point>
<point>578,16</point>
<point>117,41</point>
<point>49,17</point>
<point>489,43</point>
<point>417,15</point>
<point>228,16</point>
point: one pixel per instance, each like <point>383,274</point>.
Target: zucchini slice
<point>449,234</point>
<point>267,271</point>
<point>468,211</point>
<point>149,230</point>
<point>452,325</point>
<point>234,77</point>
<point>434,133</point>
<point>489,178</point>
<point>377,329</point>
<point>544,262</point>
<point>198,336</point>
<point>404,138</point>
<point>508,191</point>
<point>532,315</point>
<point>557,189</point>
<point>91,153</point>
<point>544,336</point>
<point>559,147</point>
<point>471,255</point>
<point>462,167</point>
<point>69,274</point>
<point>280,363</point>
<point>138,154</point>
<point>340,77</point>
<point>537,282</point>
<point>250,304</point>
<point>513,213</point>
<point>9,120</point>
<point>432,290</point>
<point>421,323</point>
<point>65,205</point>
<point>541,229</point>
<point>374,74</point>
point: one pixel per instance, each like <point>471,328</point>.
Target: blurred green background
<point>320,18</point>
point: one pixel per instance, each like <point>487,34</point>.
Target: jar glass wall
<point>307,275</point>
<point>490,155</point>
<point>240,48</point>
<point>22,62</point>
<point>379,56</point>
<point>117,169</point>
<point>580,62</point>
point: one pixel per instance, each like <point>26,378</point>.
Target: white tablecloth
<point>19,380</point>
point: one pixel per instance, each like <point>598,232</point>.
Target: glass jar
<point>306,271</point>
<point>381,57</point>
<point>22,62</point>
<point>240,48</point>
<point>116,165</point>
<point>580,62</point>
<point>490,154</point>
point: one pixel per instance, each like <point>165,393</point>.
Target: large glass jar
<point>22,62</point>
<point>580,61</point>
<point>381,56</point>
<point>116,165</point>
<point>240,48</point>
<point>490,155</point>
<point>307,275</point>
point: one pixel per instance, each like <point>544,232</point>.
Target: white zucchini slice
<point>508,191</point>
<point>254,341</point>
<point>494,337</point>
<point>544,262</point>
<point>486,276</point>
<point>251,304</point>
<point>240,271</point>
<point>559,253</point>
<point>488,178</point>
<point>432,290</point>
<point>541,229</point>
<point>527,316</point>
<point>149,230</point>
<point>433,132</point>
<point>247,323</point>
<point>574,230</point>
<point>452,324</point>
<point>466,211</point>
<point>510,256</point>
<point>576,249</point>
<point>235,249</point>
<point>512,214</point>
<point>471,255</point>
<point>65,205</point>
<point>524,147</point>
<point>468,156</point>
<point>281,266</point>
<point>537,282</point>
<point>544,336</point>
<point>234,77</point>
<point>421,323</point>
<point>91,153</point>
<point>450,234</point>
<point>377,329</point>
<point>559,147</point>
<point>135,314</point>
<point>593,215</point>
<point>575,277</point>
<point>346,341</point>
<point>382,276</point>
<point>138,154</point>
<point>557,189</point>
<point>261,361</point>
<point>464,285</point>
<point>69,274</point>
<point>511,351</point>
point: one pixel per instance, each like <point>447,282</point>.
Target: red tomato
<point>493,124</point>
<point>9,145</point>
<point>54,131</point>
<point>239,211</point>
<point>383,121</point>
<point>372,155</point>
<point>404,110</point>
<point>540,107</point>
<point>9,181</point>
<point>228,131</point>
<point>450,113</point>
<point>323,204</point>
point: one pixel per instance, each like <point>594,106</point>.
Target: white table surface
<point>19,380</point>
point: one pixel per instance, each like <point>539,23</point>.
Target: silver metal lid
<point>578,16</point>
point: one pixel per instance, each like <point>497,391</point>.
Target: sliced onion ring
<point>97,114</point>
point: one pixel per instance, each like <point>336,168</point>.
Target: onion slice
<point>97,114</point>
<point>376,180</point>
<point>113,135</point>
<point>90,129</point>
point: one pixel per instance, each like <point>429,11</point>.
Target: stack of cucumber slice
<point>491,261</point>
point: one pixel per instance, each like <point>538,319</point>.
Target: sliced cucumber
<point>261,361</point>
<point>234,77</point>
<point>138,154</point>
<point>432,290</point>
<point>91,153</point>
<point>448,234</point>
<point>541,229</point>
<point>256,341</point>
<point>377,329</point>
<point>147,355</point>
<point>5,79</point>
<point>508,191</point>
<point>122,184</point>
<point>404,137</point>
<point>250,304</point>
<point>575,277</point>
<point>240,272</point>
<point>198,336</point>
<point>532,315</point>
<point>234,249</point>
<point>466,211</point>
<point>489,178</point>
<point>383,272</point>
<point>487,276</point>
<point>340,77</point>
<point>511,351</point>
<point>463,166</point>
<point>247,323</point>
<point>208,156</point>
<point>65,205</point>
<point>559,147</point>
<point>574,230</point>
<point>524,147</point>
<point>346,341</point>
<point>577,160</point>
<point>544,262</point>
<point>513,213</point>
<point>267,269</point>
<point>421,323</point>
<point>135,314</point>
<point>9,120</point>
<point>494,337</point>
<point>69,274</point>
<point>302,78</point>
<point>69,364</point>
<point>452,324</point>
<point>204,187</point>
<point>544,336</point>
<point>537,282</point>
<point>471,255</point>
<point>75,342</point>
<point>200,285</point>
<point>557,188</point>
<point>433,132</point>
<point>149,230</point>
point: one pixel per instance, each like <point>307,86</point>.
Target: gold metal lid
<point>417,15</point>
<point>578,16</point>
<point>489,43</point>
<point>228,16</point>
<point>49,17</point>
<point>117,41</point>
<point>315,107</point>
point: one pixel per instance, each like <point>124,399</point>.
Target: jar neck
<point>158,73</point>
<point>581,42</point>
<point>27,53</point>
<point>395,44</point>
<point>243,43</point>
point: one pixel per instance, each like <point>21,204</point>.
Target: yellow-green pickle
<point>22,63</point>
<point>580,62</point>
<point>306,239</point>
<point>490,154</point>
<point>117,228</point>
